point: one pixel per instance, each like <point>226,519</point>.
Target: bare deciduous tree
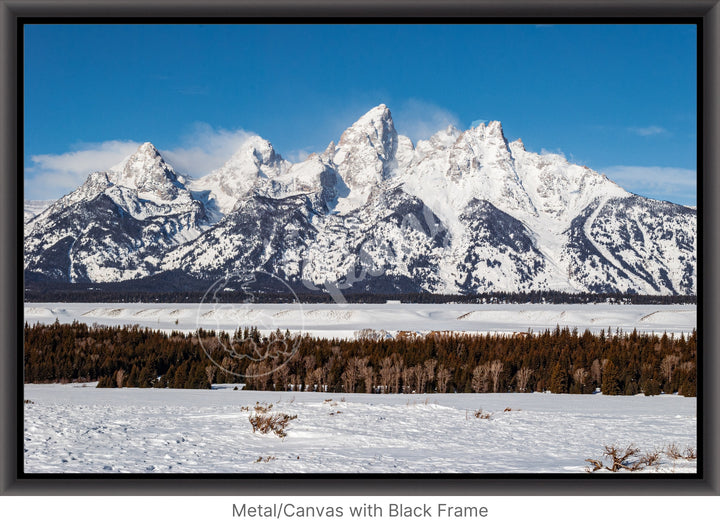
<point>364,372</point>
<point>580,376</point>
<point>420,378</point>
<point>350,376</point>
<point>397,371</point>
<point>386,374</point>
<point>430,370</point>
<point>596,371</point>
<point>443,378</point>
<point>210,372</point>
<point>496,368</point>
<point>119,377</point>
<point>523,376</point>
<point>667,366</point>
<point>316,379</point>
<point>480,378</point>
<point>408,376</point>
<point>297,383</point>
<point>368,376</point>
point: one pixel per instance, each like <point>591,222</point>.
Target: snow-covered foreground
<point>343,321</point>
<point>76,429</point>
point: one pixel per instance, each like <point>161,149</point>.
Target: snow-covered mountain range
<point>461,212</point>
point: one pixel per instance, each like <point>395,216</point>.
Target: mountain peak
<point>258,150</point>
<point>380,109</point>
<point>376,117</point>
<point>366,152</point>
<point>145,157</point>
<point>445,137</point>
<point>374,129</point>
<point>457,213</point>
<point>146,171</point>
<point>148,148</point>
<point>494,127</point>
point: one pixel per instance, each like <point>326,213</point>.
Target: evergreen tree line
<point>558,361</point>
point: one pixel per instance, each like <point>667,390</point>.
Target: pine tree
<point>559,378</point>
<point>611,379</point>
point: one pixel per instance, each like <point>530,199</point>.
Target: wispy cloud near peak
<point>420,120</point>
<point>648,131</point>
<point>657,181</point>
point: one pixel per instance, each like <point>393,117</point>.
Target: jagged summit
<point>147,171</point>
<point>256,149</point>
<point>146,156</point>
<point>379,113</point>
<point>517,144</point>
<point>253,164</point>
<point>462,211</point>
<point>493,127</point>
<point>148,149</point>
<point>375,127</point>
<point>365,154</point>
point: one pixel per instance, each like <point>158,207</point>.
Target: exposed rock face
<point>116,225</point>
<point>461,212</point>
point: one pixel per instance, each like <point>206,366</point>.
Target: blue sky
<point>620,99</point>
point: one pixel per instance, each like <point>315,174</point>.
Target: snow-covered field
<point>81,429</point>
<point>331,320</point>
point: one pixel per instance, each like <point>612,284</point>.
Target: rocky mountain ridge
<point>461,212</point>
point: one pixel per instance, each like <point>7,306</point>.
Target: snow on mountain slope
<point>34,207</point>
<point>459,212</point>
<point>263,233</point>
<point>392,244</point>
<point>634,243</point>
<point>116,224</point>
<point>31,208</point>
<point>365,156</point>
<point>254,163</point>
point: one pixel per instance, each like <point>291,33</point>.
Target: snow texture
<point>347,321</point>
<point>82,429</point>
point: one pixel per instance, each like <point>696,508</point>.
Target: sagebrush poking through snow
<point>630,458</point>
<point>275,423</point>
<point>208,431</point>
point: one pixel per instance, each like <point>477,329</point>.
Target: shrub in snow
<point>265,423</point>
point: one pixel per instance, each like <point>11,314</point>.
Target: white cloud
<point>678,185</point>
<point>298,156</point>
<point>420,120</point>
<point>648,131</point>
<point>52,175</point>
<point>93,158</point>
<point>204,149</point>
<point>558,151</point>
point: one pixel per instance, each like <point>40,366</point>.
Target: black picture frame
<point>706,13</point>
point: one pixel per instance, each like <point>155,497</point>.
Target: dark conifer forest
<point>185,289</point>
<point>557,361</point>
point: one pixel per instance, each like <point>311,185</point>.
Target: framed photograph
<point>345,247</point>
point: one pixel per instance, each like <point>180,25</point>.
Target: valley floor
<point>78,428</point>
<point>344,321</point>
